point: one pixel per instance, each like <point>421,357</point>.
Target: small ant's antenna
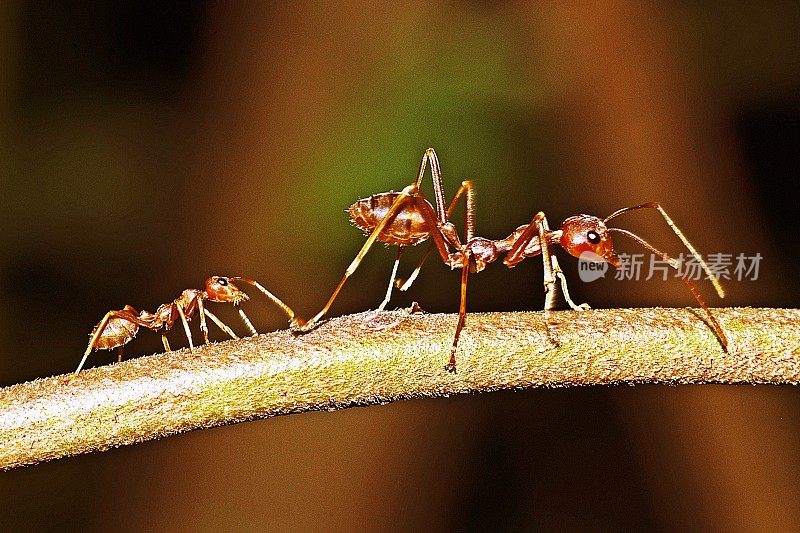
<point>654,205</point>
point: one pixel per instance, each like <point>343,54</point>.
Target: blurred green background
<point>148,145</point>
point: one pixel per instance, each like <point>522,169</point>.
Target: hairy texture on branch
<point>374,358</point>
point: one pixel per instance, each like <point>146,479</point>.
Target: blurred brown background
<point>148,145</point>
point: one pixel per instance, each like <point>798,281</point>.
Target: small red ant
<point>117,328</point>
<point>406,218</point>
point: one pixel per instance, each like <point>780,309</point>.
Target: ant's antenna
<point>675,264</point>
<point>654,205</point>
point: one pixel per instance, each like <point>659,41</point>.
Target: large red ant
<point>406,218</point>
<point>117,328</point>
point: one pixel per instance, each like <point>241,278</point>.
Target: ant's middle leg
<point>459,259</point>
<point>462,314</point>
<point>185,325</point>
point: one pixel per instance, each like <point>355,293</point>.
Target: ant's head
<point>585,233</point>
<point>222,289</point>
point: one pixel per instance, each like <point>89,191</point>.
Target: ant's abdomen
<point>117,332</point>
<point>407,228</point>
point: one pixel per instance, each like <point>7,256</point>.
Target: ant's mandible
<point>406,218</point>
<point>117,328</point>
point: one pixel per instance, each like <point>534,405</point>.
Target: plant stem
<point>378,357</point>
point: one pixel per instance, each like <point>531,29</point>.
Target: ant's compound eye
<point>222,281</point>
<point>593,237</point>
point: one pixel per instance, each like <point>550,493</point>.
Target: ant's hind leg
<point>303,326</point>
<point>165,342</point>
<point>98,331</point>
<point>128,313</point>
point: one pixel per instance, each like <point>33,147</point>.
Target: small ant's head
<point>222,289</point>
<point>585,233</point>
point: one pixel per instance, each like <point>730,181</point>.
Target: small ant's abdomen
<point>117,332</point>
<point>407,228</point>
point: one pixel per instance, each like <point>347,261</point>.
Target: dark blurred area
<point>148,145</point>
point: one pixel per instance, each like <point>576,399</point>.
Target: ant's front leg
<point>201,308</point>
<point>550,286</point>
<point>560,275</point>
<point>203,326</point>
<point>550,289</point>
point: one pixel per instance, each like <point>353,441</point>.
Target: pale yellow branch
<point>373,358</point>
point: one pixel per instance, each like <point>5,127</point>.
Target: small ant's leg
<point>220,324</point>
<point>128,313</point>
<point>462,313</point>
<point>203,325</point>
<point>119,354</point>
<point>185,326</point>
<point>392,277</point>
<point>165,342</point>
<point>560,275</point>
<point>98,331</point>
<point>246,321</point>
